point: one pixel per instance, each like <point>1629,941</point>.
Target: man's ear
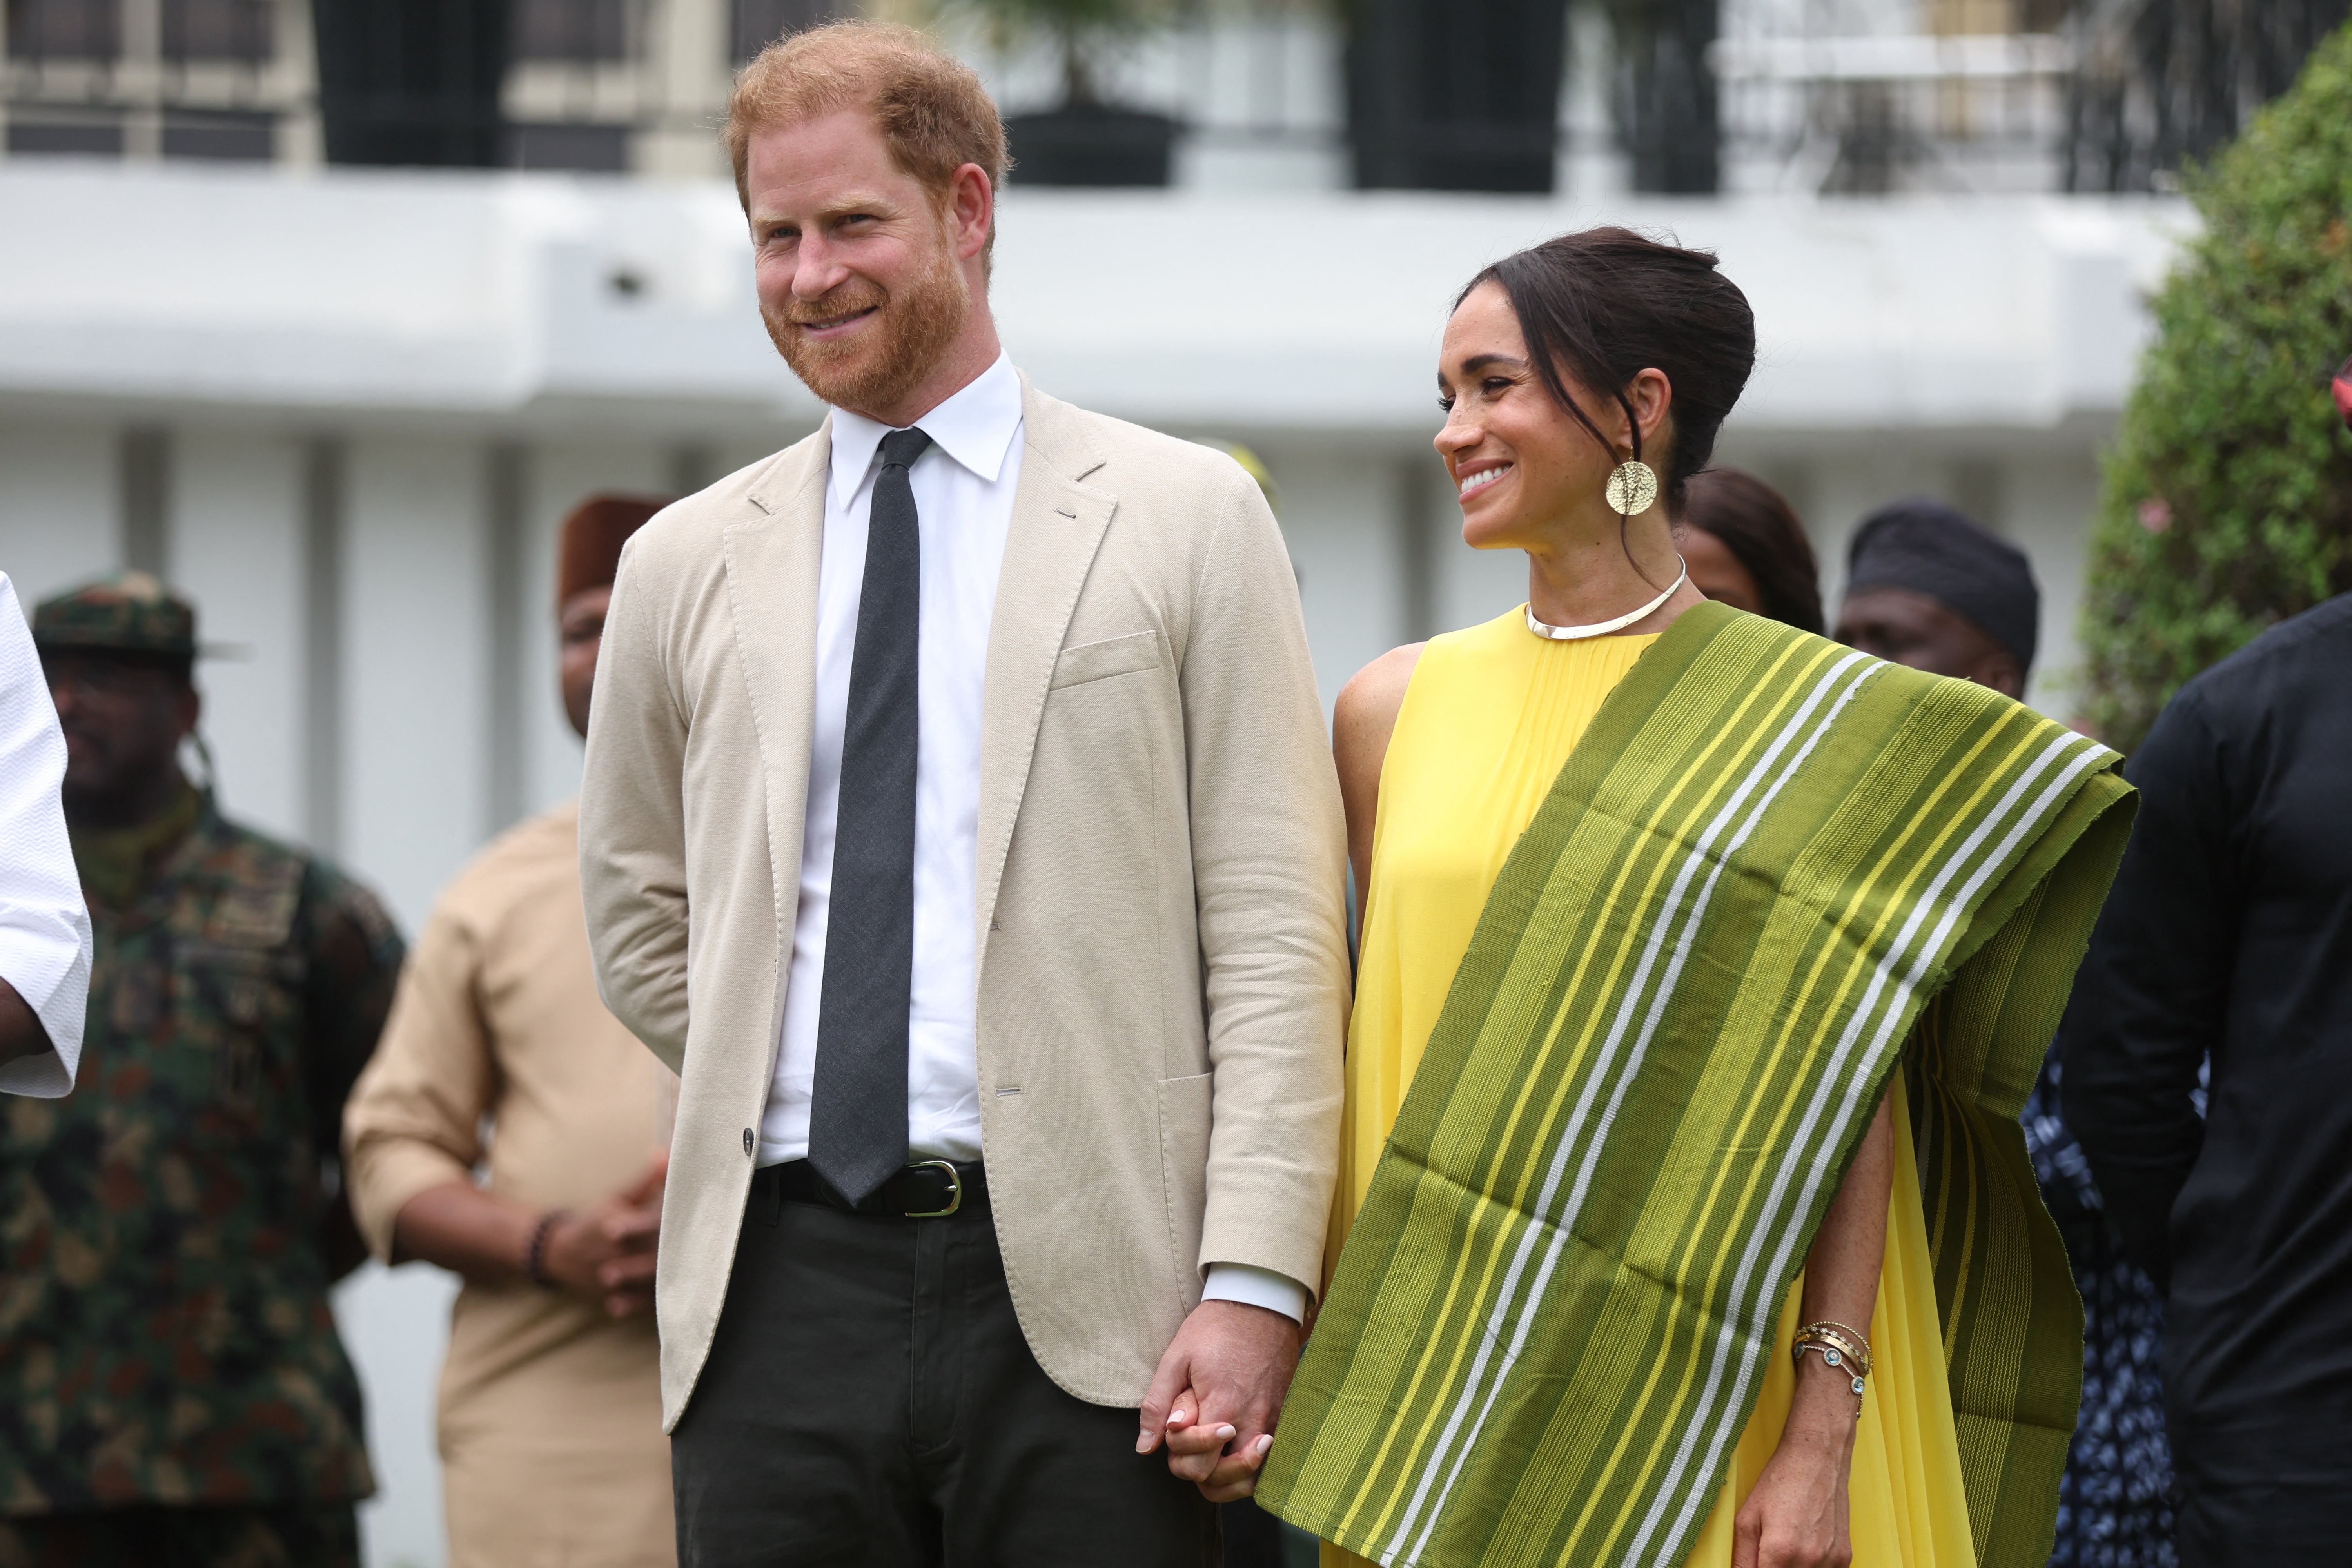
<point>972,208</point>
<point>187,708</point>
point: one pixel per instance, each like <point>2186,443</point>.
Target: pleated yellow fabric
<point>1490,717</point>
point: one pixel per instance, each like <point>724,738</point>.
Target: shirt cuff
<point>52,972</point>
<point>1256,1287</point>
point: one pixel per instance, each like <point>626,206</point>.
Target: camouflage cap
<point>129,612</point>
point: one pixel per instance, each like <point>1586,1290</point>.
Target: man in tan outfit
<point>958,786</point>
<point>551,1445</point>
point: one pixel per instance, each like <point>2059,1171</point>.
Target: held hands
<point>1797,1515</point>
<point>607,1252</point>
<point>1216,1396</point>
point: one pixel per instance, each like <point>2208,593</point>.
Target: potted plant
<point>1085,141</point>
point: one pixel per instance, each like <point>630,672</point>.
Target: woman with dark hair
<point>1745,548</point>
<point>1676,922</point>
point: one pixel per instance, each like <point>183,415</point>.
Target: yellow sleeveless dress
<point>1488,719</point>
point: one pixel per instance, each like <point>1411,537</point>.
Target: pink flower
<point>2155,514</point>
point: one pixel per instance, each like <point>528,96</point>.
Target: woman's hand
<point>1797,1515</point>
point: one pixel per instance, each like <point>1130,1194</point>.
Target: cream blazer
<point>1162,975</point>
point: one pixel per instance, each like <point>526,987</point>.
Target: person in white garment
<point>44,927</point>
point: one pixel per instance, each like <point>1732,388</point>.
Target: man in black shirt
<point>2229,935</point>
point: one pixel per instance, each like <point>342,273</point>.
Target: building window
<point>218,30</point>
<point>89,136</point>
<point>581,30</point>
<point>227,134</point>
<point>756,24</point>
<point>64,30</point>
<point>589,149</point>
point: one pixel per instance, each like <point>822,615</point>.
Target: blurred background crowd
<point>327,313</point>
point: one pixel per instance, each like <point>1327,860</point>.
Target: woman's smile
<point>1472,478</point>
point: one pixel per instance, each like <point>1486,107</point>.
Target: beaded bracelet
<point>1839,1351</point>
<point>534,1265</point>
<point>1829,1358</point>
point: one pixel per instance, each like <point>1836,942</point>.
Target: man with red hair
<point>957,787</point>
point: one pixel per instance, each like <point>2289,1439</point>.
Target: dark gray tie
<point>857,1108</point>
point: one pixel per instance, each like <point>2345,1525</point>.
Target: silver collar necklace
<point>1603,628</point>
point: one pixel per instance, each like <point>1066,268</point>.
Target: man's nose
<point>816,271</point>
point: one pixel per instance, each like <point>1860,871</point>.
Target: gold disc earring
<point>1633,486</point>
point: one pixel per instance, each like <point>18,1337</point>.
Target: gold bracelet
<point>1851,1340</point>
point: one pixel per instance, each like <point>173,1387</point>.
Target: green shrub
<point>2227,505</point>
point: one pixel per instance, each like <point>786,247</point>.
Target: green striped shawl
<point>1772,868</point>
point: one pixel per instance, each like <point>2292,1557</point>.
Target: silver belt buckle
<point>955,1188</point>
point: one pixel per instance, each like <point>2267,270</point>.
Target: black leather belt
<point>927,1189</point>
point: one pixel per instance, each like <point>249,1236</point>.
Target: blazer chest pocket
<point>1089,662</point>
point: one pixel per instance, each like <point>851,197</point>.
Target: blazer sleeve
<point>1267,850</point>
<point>633,820</point>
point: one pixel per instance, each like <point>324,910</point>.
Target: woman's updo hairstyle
<point>1606,304</point>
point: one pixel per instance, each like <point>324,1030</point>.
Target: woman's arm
<point>1361,722</point>
<point>1798,1515</point>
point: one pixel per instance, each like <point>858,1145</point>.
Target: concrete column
<point>416,779</point>
<point>1343,520</point>
<point>325,472</point>
<point>2055,495</point>
<point>238,545</point>
<point>142,482</point>
<point>58,523</point>
<point>688,76</point>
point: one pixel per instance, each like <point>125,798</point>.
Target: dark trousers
<point>2260,1504</point>
<point>869,1402</point>
<point>324,1535</point>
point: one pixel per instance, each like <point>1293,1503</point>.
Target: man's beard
<point>903,344</point>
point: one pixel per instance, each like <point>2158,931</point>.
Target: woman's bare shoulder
<point>1366,714</point>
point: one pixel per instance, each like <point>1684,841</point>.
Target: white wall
<point>234,544</point>
<point>415,714</point>
<point>58,513</point>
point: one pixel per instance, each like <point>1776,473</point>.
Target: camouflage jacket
<point>165,1335</point>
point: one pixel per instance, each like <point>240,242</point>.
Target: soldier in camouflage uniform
<point>171,1388</point>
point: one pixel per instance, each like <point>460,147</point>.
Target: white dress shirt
<point>44,927</point>
<point>964,483</point>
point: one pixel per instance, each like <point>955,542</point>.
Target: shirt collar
<point>975,427</point>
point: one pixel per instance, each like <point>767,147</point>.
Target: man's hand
<point>1217,1393</point>
<point>608,1251</point>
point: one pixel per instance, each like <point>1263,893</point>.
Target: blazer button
<point>748,1142</point>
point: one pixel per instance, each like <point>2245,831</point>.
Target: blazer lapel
<point>773,556</point>
<point>1057,524</point>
